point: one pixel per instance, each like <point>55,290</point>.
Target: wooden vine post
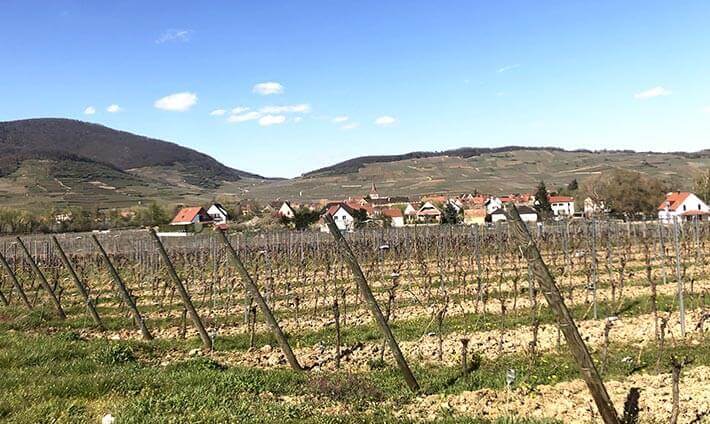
<point>574,340</point>
<point>79,285</point>
<point>254,291</point>
<point>3,299</point>
<point>206,339</point>
<point>42,280</point>
<point>15,283</point>
<point>371,302</point>
<point>123,291</point>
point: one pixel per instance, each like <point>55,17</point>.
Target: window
<point>685,208</point>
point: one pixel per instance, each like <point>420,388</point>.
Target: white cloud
<point>706,109</point>
<point>179,35</point>
<point>113,108</point>
<point>245,117</point>
<point>90,110</point>
<point>350,126</point>
<point>384,121</point>
<point>298,119</point>
<point>218,112</point>
<point>266,88</point>
<point>178,102</point>
<point>275,110</point>
<point>268,120</point>
<point>653,92</point>
<point>340,119</point>
<point>508,68</point>
<point>239,109</point>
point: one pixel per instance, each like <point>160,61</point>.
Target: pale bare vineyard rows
<point>438,276</point>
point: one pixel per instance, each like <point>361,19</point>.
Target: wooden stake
<point>127,298</point>
<point>79,285</point>
<point>574,340</point>
<point>371,302</point>
<point>254,290</point>
<point>206,340</point>
<point>3,299</point>
<point>42,280</point>
<point>681,303</point>
<point>15,283</point>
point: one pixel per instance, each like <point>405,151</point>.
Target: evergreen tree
<point>304,217</point>
<point>542,201</point>
<point>573,185</point>
<point>451,215</point>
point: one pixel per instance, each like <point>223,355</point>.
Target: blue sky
<point>304,84</point>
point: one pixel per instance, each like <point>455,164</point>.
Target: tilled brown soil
<point>570,401</point>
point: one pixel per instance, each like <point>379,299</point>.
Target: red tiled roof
<point>392,213</point>
<point>695,212</point>
<point>186,215</point>
<point>561,199</point>
<point>357,206</point>
<point>472,213</point>
<point>674,200</point>
<point>431,212</point>
<point>435,198</point>
<point>333,209</point>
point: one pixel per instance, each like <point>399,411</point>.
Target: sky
<point>283,87</point>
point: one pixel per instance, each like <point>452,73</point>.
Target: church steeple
<point>373,191</point>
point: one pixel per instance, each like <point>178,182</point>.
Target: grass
<point>62,378</point>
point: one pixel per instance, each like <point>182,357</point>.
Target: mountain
<point>355,164</point>
<point>52,137</point>
<point>53,162</point>
<point>502,170</point>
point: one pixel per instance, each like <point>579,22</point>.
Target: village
<point>376,210</point>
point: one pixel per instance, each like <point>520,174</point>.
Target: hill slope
<point>48,163</point>
<point>497,171</point>
<point>355,164</point>
<point>36,138</point>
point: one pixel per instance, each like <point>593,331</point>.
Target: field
<point>637,292</point>
<point>517,171</point>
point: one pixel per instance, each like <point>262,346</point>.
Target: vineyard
<point>277,327</point>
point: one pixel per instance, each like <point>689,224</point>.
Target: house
<point>218,214</point>
<point>455,203</point>
<point>286,211</point>
<point>684,206</point>
<point>474,216</point>
<point>357,206</point>
<point>527,214</point>
<point>395,215</point>
<point>410,213</point>
<point>343,215</point>
<point>562,205</point>
<point>428,214</point>
<point>191,215</point>
<point>492,204</point>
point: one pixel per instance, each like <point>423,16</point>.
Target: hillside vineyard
<point>460,302</point>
